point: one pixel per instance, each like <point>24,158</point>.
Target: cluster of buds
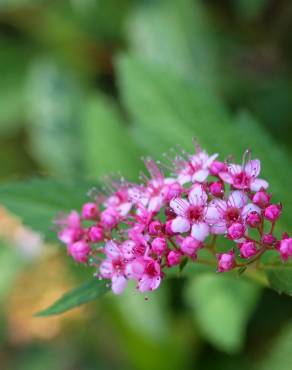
<point>138,231</point>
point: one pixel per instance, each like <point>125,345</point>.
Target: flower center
<point>195,213</point>
<point>232,214</point>
<point>241,180</point>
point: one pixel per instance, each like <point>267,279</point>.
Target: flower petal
<point>200,175</point>
<point>197,196</point>
<point>237,199</point>
<point>119,283</point>
<point>180,206</point>
<point>253,168</point>
<point>200,231</point>
<point>258,184</point>
<point>112,250</point>
<point>180,225</point>
<point>215,211</point>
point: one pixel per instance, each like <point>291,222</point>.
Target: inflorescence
<point>138,231</point>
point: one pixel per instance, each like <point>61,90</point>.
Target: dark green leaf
<point>76,297</point>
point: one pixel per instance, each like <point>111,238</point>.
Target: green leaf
<point>176,34</point>
<point>107,144</point>
<point>13,64</point>
<point>280,278</point>
<point>54,106</point>
<point>171,110</point>
<point>38,201</point>
<point>222,306</point>
<point>76,297</point>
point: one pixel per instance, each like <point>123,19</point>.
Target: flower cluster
<point>138,231</point>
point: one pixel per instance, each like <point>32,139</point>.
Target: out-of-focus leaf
<point>172,111</point>
<point>10,264</point>
<point>176,34</point>
<point>13,65</point>
<point>13,4</point>
<point>38,201</point>
<point>222,306</point>
<point>107,145</point>
<point>54,105</point>
<point>280,278</point>
<point>279,355</point>
<point>248,9</point>
<point>76,297</point>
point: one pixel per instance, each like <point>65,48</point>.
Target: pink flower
<point>216,188</point>
<point>190,246</point>
<point>173,258</point>
<point>236,230</point>
<point>222,213</point>
<point>113,267</point>
<point>151,277</point>
<point>159,245</point>
<point>109,218</point>
<point>261,198</point>
<point>273,212</point>
<point>253,219</point>
<point>95,234</point>
<point>191,213</point>
<point>89,211</point>
<point>79,251</point>
<point>158,189</point>
<point>248,249</point>
<point>285,248</point>
<point>193,168</point>
<point>244,177</point>
<point>226,261</point>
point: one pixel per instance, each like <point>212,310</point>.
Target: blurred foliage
<point>87,88</point>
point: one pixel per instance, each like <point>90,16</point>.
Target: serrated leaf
<point>77,297</point>
<point>173,110</point>
<point>222,306</point>
<point>107,145</point>
<point>38,201</point>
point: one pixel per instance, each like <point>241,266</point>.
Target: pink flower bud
<point>69,236</point>
<point>109,218</point>
<point>236,231</point>
<point>155,227</point>
<point>216,188</point>
<point>285,248</point>
<point>159,246</point>
<point>248,249</point>
<point>190,246</point>
<point>261,198</point>
<point>273,212</point>
<point>217,167</point>
<point>173,258</point>
<point>79,251</point>
<point>269,239</point>
<point>89,211</point>
<point>253,219</point>
<point>226,261</point>
<point>95,234</point>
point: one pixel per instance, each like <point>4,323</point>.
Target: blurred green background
<point>88,87</point>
